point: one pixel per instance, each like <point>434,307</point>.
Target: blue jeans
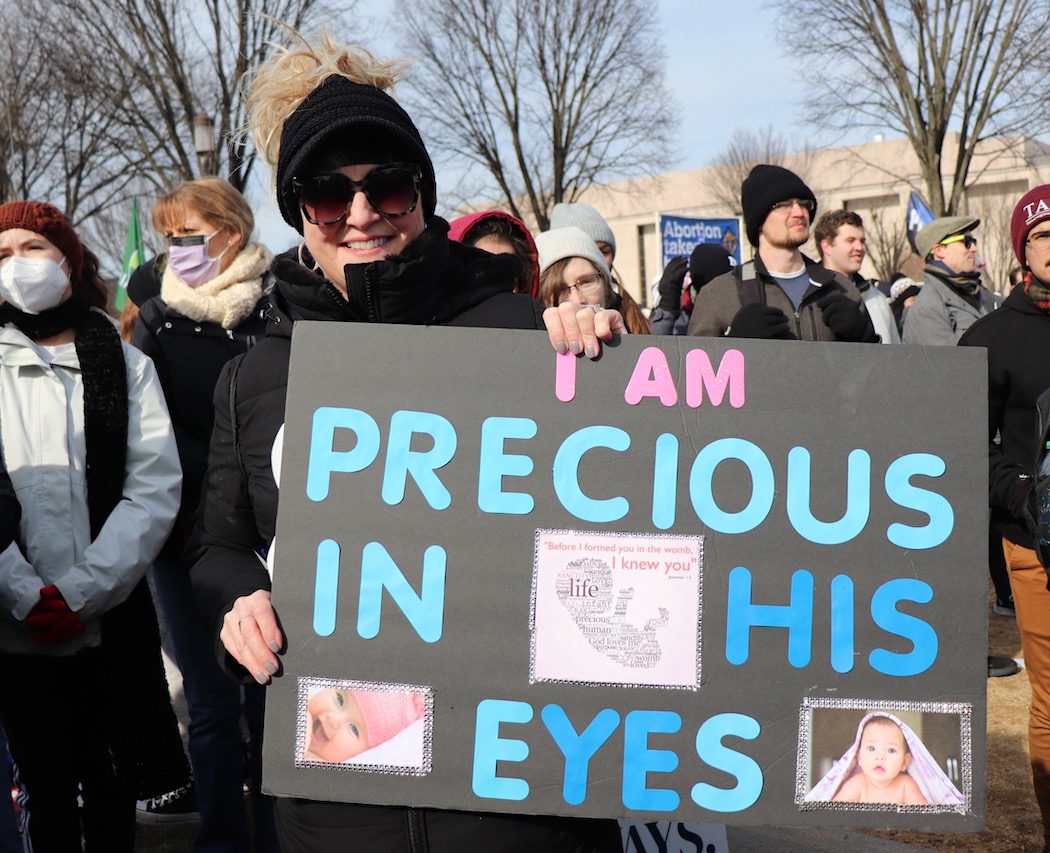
<point>215,707</point>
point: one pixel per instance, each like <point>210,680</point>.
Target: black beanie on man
<point>764,187</point>
<point>351,117</point>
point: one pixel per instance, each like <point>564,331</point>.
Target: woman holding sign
<point>354,178</point>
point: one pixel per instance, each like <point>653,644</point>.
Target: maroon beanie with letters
<point>1033,208</point>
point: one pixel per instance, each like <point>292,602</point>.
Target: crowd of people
<point>155,453</point>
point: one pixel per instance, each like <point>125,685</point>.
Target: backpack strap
<point>748,287</point>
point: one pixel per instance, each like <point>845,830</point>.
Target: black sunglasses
<point>391,190</point>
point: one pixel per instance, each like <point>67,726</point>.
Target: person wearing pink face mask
<point>209,309</point>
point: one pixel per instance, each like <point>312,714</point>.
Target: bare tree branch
<point>923,68</point>
<point>534,94</point>
<point>745,150</point>
<point>887,243</point>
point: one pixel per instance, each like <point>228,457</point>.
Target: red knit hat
<point>1033,208</point>
<point>49,222</point>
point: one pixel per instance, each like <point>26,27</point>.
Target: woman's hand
<point>250,633</point>
<point>574,327</point>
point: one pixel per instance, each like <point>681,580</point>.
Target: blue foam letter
<point>763,485</point>
<point>921,634</point>
<point>495,465</point>
<point>324,461</point>
<point>900,490</point>
<point>742,615</point>
<point>489,748</point>
<point>842,646</point>
<point>665,481</point>
<point>578,748</point>
<point>401,460</point>
<point>747,771</point>
<point>424,611</point>
<point>799,499</point>
<point>326,587</point>
<point>567,475</point>
<point>639,760</point>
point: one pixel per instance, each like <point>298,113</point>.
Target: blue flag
<point>919,216</point>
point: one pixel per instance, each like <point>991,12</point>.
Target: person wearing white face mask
<point>209,309</point>
<point>89,447</point>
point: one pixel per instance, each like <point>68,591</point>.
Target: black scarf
<point>146,746</point>
<point>429,282</point>
<point>966,284</point>
<point>101,358</point>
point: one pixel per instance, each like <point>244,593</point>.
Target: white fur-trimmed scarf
<point>228,298</point>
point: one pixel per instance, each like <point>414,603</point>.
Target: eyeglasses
<point>391,190</point>
<point>588,284</point>
<point>1039,242</point>
<point>806,204</point>
<point>968,240</point>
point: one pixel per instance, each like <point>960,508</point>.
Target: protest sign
<point>673,584</point>
<point>679,235</point>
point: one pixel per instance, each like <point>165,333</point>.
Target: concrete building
<point>874,179</point>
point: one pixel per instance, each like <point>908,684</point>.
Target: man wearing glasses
<point>952,297</point>
<point>1017,338</point>
<point>781,294</point>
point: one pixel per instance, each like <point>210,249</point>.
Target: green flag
<point>134,254</point>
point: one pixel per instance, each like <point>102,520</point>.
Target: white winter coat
<point>42,440</point>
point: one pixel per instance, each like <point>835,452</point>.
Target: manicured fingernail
<point>591,352</point>
<point>261,677</point>
<point>561,348</point>
<point>271,667</point>
<point>575,347</point>
<point>274,647</point>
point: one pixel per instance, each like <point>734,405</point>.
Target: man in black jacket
<point>1017,337</point>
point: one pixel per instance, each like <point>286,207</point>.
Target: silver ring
<point>245,616</point>
<point>597,309</point>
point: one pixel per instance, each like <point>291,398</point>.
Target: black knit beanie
<point>707,262</point>
<point>764,187</point>
<point>353,117</point>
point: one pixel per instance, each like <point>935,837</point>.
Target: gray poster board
<point>670,595</point>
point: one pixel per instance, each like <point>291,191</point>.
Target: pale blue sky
<point>725,66</point>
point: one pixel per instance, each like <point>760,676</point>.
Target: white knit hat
<point>571,242</point>
<point>900,285</point>
<point>587,219</point>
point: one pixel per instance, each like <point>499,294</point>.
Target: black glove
<point>671,285</point>
<point>845,319</point>
<point>760,321</point>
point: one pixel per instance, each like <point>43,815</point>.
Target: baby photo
<point>871,755</point>
<point>364,725</point>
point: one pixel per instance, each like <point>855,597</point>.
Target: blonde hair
<point>284,81</point>
<point>216,200</point>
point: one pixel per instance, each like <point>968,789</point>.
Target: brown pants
<point>1032,600</point>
